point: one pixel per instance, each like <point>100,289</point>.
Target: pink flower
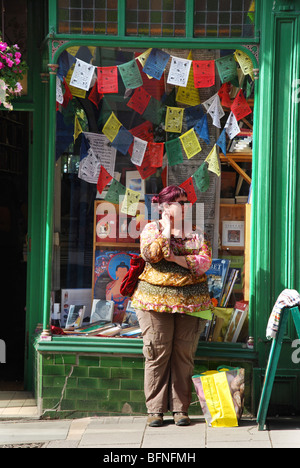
<point>18,55</point>
<point>3,46</point>
<point>1,65</point>
<point>9,62</point>
<point>17,61</point>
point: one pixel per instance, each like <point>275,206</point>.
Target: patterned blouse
<point>168,287</point>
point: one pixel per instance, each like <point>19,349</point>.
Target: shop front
<point>138,98</point>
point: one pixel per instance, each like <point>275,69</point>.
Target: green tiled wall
<point>75,385</point>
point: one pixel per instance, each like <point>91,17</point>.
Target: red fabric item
<point>68,95</point>
<point>137,264</point>
<point>57,330</point>
<point>103,179</point>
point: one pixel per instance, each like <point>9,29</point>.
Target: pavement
<point>131,432</point>
<point>21,427</point>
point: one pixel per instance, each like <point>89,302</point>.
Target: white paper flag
<point>82,75</point>
<point>179,71</point>
<point>216,111</point>
<point>59,92</point>
<point>89,168</point>
<point>138,152</point>
<point>104,152</point>
<point>232,127</point>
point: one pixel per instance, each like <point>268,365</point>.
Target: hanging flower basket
<point>12,70</point>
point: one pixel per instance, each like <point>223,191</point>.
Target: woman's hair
<point>169,194</point>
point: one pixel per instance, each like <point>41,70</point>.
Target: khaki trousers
<point>170,342</point>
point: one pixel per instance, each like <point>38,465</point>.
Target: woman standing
<point>173,304</point>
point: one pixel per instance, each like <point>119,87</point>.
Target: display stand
<point>273,362</point>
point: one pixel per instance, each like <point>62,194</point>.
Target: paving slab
<point>36,431</point>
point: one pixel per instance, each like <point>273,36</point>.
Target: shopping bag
<point>221,395</point>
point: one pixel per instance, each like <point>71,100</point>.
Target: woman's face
<point>177,209</point>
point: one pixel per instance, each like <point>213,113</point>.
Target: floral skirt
<point>185,299</point>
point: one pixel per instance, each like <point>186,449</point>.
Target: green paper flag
<point>201,177</point>
<point>115,191</point>
<point>227,68</point>
<point>174,152</point>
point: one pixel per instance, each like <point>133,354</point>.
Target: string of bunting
<point>187,75</point>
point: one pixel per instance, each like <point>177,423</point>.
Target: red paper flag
<point>103,179</point>
<point>204,73</point>
<point>156,151</point>
<point>240,107</point>
<point>139,101</point>
<point>94,96</point>
<point>224,95</point>
<point>146,170</point>
<point>107,79</point>
<point>164,176</point>
<point>68,95</point>
<point>188,186</point>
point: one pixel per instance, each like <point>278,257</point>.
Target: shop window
<point>114,133</point>
<point>88,17</point>
<point>155,18</point>
<point>224,18</point>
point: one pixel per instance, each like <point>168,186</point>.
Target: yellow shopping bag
<point>221,395</point>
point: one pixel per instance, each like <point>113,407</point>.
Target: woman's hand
<point>166,222</point>
<point>180,260</point>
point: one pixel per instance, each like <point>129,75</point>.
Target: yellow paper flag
<point>77,129</point>
<point>76,92</point>
<point>174,117</point>
<point>245,63</point>
<point>190,143</point>
<point>112,127</point>
<point>189,95</point>
<point>130,202</point>
<point>213,161</point>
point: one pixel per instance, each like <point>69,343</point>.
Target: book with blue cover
<point>216,277</point>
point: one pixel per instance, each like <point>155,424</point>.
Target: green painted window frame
<point>53,27</point>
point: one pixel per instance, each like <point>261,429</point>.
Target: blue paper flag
<point>156,63</point>
<point>123,140</point>
<point>65,61</point>
<point>64,135</point>
<point>222,142</point>
<point>201,128</point>
<point>84,148</point>
<point>192,115</point>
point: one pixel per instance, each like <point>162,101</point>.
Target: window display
<point>130,122</point>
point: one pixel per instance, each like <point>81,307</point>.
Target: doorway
<point>14,144</point>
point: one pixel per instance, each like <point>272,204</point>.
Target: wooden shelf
<point>117,244</point>
<point>237,157</point>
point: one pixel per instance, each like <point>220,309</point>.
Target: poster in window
<point>110,269</point>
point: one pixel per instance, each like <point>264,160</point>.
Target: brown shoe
<point>155,419</point>
<point>181,419</point>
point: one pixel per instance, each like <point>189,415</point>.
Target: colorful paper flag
<point>156,63</point>
<point>201,128</point>
<point>146,170</point>
<point>138,151</point>
<point>192,115</point>
<point>123,140</point>
<point>112,127</point>
<point>130,202</point>
<point>107,79</point>
<point>82,75</point>
<point>224,95</point>
<point>174,152</point>
<point>213,162</point>
<point>77,128</point>
<point>94,95</point>
<point>139,100</point>
<point>115,193</point>
<point>232,127</point>
<point>179,71</point>
<point>188,95</point>
<point>174,118</point>
<point>188,186</point>
<point>201,177</point>
<point>240,107</point>
<point>156,153</point>
<point>221,142</point>
<point>204,73</point>
<point>154,111</point>
<point>190,143</point>
<point>245,62</point>
<point>227,68</point>
<point>130,74</point>
<point>103,180</point>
